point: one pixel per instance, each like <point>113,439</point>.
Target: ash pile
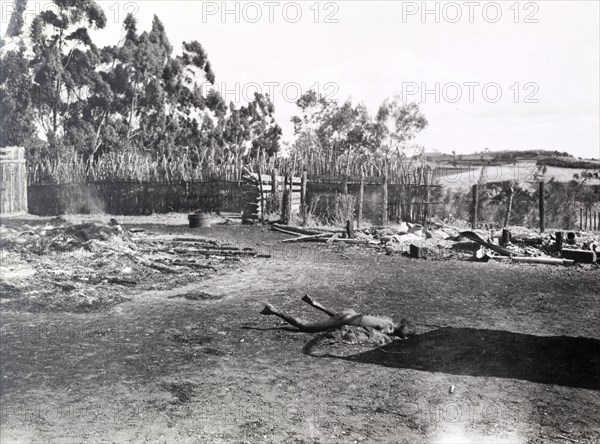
<point>62,266</point>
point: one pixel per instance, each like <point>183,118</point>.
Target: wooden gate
<point>13,181</point>
<point>263,194</point>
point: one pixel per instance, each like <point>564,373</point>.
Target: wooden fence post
<point>508,206</point>
<point>474,205</point>
<point>541,204</point>
<point>385,201</point>
<point>361,194</point>
<point>505,238</point>
<point>587,212</point>
<point>559,240</point>
<point>262,197</point>
<point>345,185</point>
<point>290,196</point>
<point>426,211</point>
<point>303,202</point>
<point>580,218</point>
<point>274,190</point>
<point>285,217</point>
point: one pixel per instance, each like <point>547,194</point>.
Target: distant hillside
<point>569,163</point>
<point>499,157</point>
<point>527,174</point>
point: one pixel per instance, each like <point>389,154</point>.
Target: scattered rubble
<point>440,241</point>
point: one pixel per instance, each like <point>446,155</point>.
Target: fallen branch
<point>297,230</point>
<point>351,241</point>
<point>333,238</point>
<point>217,247</point>
<point>193,264</point>
<point>194,239</point>
<point>119,281</point>
<point>306,238</point>
<point>209,252</point>
<point>281,230</point>
<point>151,264</point>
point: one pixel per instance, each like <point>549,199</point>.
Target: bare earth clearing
<point>521,348</point>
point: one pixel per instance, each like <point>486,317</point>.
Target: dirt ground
<point>510,353</point>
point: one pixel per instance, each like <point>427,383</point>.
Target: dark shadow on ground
<point>561,360</point>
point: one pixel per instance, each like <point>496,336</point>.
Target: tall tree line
<point>346,135</point>
<point>61,95</point>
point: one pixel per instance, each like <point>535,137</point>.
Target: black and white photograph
<point>299,222</point>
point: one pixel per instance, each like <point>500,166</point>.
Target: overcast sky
<point>545,66</point>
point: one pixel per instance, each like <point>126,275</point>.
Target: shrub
<point>343,210</point>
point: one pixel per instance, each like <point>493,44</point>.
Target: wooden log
<point>204,247</point>
<point>220,248</point>
<point>307,238</point>
<point>543,260</point>
<point>295,230</point>
<point>476,238</point>
<point>193,264</point>
<point>209,252</point>
<point>282,230</point>
<point>194,239</point>
<point>351,241</point>
<point>152,264</point>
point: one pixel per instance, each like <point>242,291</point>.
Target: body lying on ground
<point>345,317</point>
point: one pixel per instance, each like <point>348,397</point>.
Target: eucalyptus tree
<point>63,62</point>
